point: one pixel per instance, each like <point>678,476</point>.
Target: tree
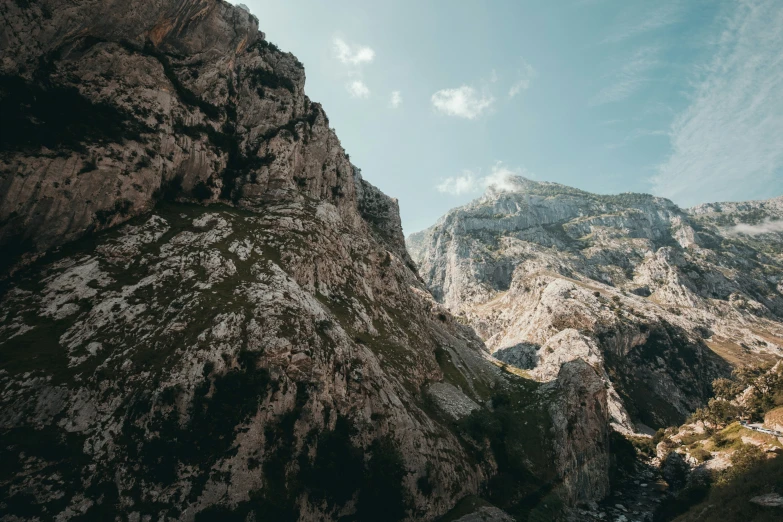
<point>726,389</point>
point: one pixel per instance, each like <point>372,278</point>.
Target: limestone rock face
<point>658,299</point>
<point>206,312</point>
<point>109,108</point>
<point>579,409</point>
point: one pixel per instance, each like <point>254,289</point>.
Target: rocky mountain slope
<point>207,314</point>
<point>660,300</point>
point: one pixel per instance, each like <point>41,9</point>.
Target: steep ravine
<point>207,314</point>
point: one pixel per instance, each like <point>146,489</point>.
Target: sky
<point>435,100</point>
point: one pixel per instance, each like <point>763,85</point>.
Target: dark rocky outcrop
<point>211,315</point>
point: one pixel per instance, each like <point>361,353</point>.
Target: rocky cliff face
<point>659,299</point>
<point>205,312</point>
<point>111,107</point>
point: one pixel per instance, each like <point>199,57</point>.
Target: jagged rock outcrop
<point>110,107</point>
<point>579,414</point>
<point>247,339</point>
<point>659,299</point>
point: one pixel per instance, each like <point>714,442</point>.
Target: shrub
<point>89,165</point>
<point>143,163</point>
<point>700,454</point>
<point>691,438</point>
<point>746,457</point>
<point>201,191</point>
<point>720,440</point>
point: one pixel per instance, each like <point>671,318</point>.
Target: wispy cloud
<point>765,227</point>
<point>500,178</point>
<point>525,75</point>
<point>358,89</point>
<point>463,102</point>
<point>660,16</point>
<point>396,99</point>
<point>635,135</point>
<point>727,143</point>
<point>631,76</point>
<point>352,54</point>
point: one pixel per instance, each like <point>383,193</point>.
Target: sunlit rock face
<point>206,312</point>
<point>658,299</point>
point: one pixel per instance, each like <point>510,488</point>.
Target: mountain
<point>207,314</point>
<point>660,300</point>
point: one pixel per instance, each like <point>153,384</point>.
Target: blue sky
<point>434,100</point>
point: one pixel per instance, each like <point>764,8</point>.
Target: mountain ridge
<point>546,273</point>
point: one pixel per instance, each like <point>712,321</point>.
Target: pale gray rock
<point>486,514</point>
<point>451,400</point>
<point>579,408</point>
<point>770,500</point>
<point>658,299</point>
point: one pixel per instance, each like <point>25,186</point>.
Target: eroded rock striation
<point>658,299</point>
<point>206,312</point>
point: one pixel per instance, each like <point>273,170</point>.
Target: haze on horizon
<point>434,100</point>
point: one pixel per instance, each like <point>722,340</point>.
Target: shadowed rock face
<point>211,314</point>
<point>661,300</point>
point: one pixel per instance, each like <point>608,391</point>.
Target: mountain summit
<point>661,299</point>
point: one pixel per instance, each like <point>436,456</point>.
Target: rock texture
<point>582,435</point>
<point>658,299</point>
<point>109,107</point>
<point>205,311</point>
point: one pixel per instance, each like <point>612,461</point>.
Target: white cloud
<point>629,78</point>
<point>457,185</point>
<point>502,178</point>
<point>525,76</point>
<point>765,227</point>
<point>352,54</point>
<point>395,100</point>
<point>358,89</point>
<point>463,102</point>
<point>727,143</point>
<point>499,178</point>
